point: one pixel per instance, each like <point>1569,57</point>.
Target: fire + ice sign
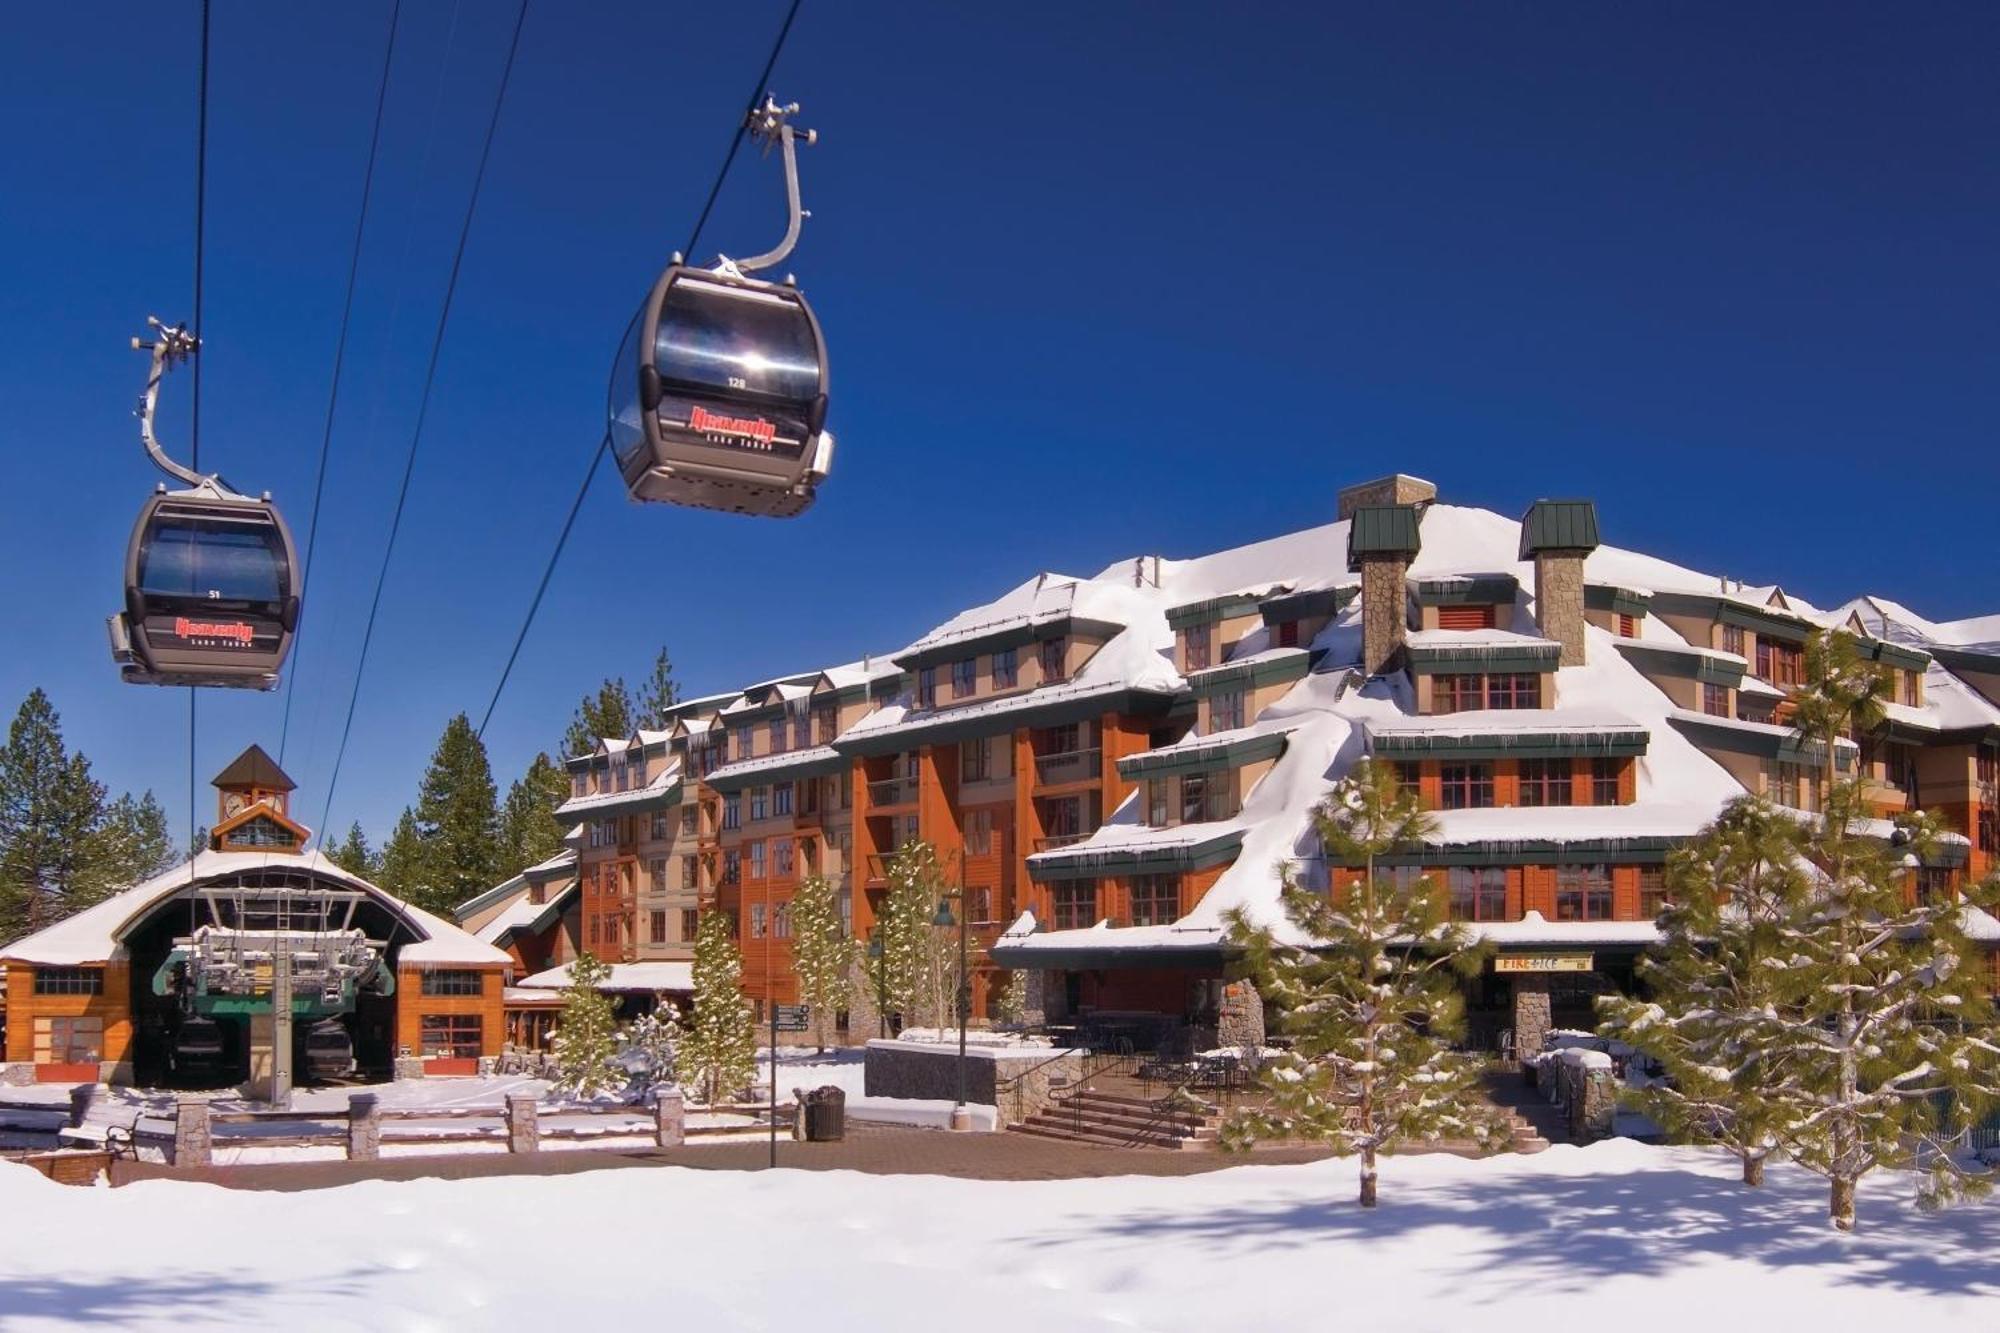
<point>1558,962</point>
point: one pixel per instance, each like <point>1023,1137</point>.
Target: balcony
<point>1052,770</point>
<point>892,791</point>
<point>1050,844</point>
<point>812,819</point>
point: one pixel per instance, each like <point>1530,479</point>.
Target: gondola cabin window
<point>453,981</point>
<point>69,981</point>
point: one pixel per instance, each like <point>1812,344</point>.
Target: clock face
<point>232,803</point>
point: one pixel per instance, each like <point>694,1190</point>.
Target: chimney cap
<point>1559,525</point>
<point>1382,531</point>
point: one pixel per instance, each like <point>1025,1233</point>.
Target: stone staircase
<point>1532,1123</point>
<point>1119,1120</point>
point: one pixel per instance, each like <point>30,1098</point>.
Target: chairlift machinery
<point>211,576</point>
<point>719,392</point>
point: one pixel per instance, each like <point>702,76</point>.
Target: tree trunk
<point>1368,1176</point>
<point>1840,1203</point>
<point>1753,1169</point>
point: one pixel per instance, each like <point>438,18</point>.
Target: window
<point>800,711</point>
<point>781,920</point>
<point>1075,904</point>
<point>781,856</point>
<point>732,811</point>
<point>656,874</point>
<point>1934,885</point>
<point>1288,633</point>
<point>454,1036</point>
<point>1194,797</point>
<point>1732,639</point>
<point>1546,782</point>
<point>760,803</point>
<point>1628,626</point>
<point>69,1041</point>
<point>781,799</point>
<point>826,724</point>
<point>1006,669</point>
<point>452,981</point>
<point>975,759</point>
<point>979,905</point>
<point>1780,663</point>
<point>690,874</point>
<point>660,826</point>
<point>978,832</point>
<point>1064,817</point>
<point>927,688</point>
<point>1512,689</point>
<point>690,820</point>
<point>1466,786</point>
<point>1465,617</point>
<point>1159,793</point>
<point>1583,893</point>
<point>744,743</point>
<point>1715,699</point>
<point>1156,899</point>
<point>656,927</point>
<point>1794,787</point>
<point>1989,829</point>
<point>1652,891</point>
<point>1605,781</point>
<point>732,866</point>
<point>1054,654</point>
<point>756,921</point>
<point>259,832</point>
<point>690,923</point>
<point>1456,694</point>
<point>964,677</point>
<point>69,981</point>
<point>1913,689</point>
<point>1195,648</point>
<point>1409,775</point>
<point>1478,893</point>
<point>756,859</point>
<point>1225,711</point>
<point>776,735</point>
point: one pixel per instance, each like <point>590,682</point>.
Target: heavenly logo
<point>749,428</point>
<point>232,631</point>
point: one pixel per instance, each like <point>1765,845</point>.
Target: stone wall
<point>1017,1081</point>
<point>1559,602</point>
<point>1241,1019</point>
<point>1384,613</point>
<point>1397,489</point>
<point>1531,1015</point>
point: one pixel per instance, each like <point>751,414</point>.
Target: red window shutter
<point>1465,617</point>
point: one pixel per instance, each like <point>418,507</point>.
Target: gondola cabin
<point>719,396</point>
<point>211,592</point>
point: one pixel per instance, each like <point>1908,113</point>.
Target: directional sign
<point>791,1017</point>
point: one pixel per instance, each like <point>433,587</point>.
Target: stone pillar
<point>670,1119</point>
<point>1241,1019</point>
<point>523,1135</point>
<point>1398,488</point>
<point>194,1140</point>
<point>364,1127</point>
<point>1384,613</point>
<point>1035,1012</point>
<point>1559,601</point>
<point>1594,1111</point>
<point>1531,1015</point>
<point>408,1067</point>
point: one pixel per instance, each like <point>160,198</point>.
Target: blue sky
<point>1097,279</point>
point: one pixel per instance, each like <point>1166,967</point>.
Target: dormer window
<point>1913,689</point>
<point>777,735</point>
<point>1055,661</point>
<point>1006,669</point>
<point>1195,648</point>
<point>1628,626</point>
<point>1467,617</point>
<point>964,677</point>
<point>1288,633</point>
<point>1780,663</point>
<point>1225,711</point>
<point>927,687</point>
<point>1732,639</point>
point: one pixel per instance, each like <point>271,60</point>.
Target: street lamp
<point>961,1118</point>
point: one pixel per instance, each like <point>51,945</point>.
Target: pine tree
<point>49,807</point>
<point>822,952</point>
<point>657,693</point>
<point>718,1046</point>
<point>354,855</point>
<point>404,868</point>
<point>649,1051</point>
<point>130,845</point>
<point>1373,1003</point>
<point>605,714</point>
<point>529,830</point>
<point>586,1035</point>
<point>899,962</point>
<point>1712,977</point>
<point>1010,1006</point>
<point>458,820</point>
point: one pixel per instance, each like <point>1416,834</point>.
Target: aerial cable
<point>339,357</point>
<point>424,402</point>
<point>757,94</point>
<point>194,421</point>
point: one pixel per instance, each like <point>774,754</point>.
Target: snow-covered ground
<point>1638,1238</point>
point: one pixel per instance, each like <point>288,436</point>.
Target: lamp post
<point>961,1118</point>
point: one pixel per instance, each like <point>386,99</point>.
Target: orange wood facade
<point>412,1005</point>
<point>113,1008</point>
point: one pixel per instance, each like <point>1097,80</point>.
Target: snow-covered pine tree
<point>1366,984</point>
<point>586,1035</point>
<point>1711,979</point>
<point>898,969</point>
<point>1882,1026</point>
<point>718,1044</point>
<point>649,1049</point>
<point>1010,1004</point>
<point>822,952</point>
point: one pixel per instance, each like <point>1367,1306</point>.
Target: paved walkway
<point>874,1149</point>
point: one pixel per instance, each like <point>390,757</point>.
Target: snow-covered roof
<point>1549,722</point>
<point>660,787</point>
<point>526,914</point>
<point>95,934</point>
<point>745,769</point>
<point>650,976</point>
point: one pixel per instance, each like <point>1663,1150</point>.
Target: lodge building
<point>1107,765</point>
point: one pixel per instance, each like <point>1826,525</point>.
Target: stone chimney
<point>1557,535</point>
<point>1381,542</point>
<point>1395,489</point>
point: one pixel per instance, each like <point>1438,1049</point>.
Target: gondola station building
<point>175,982</point>
<point>1109,764</point>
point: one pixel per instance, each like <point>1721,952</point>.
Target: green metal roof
<point>1196,756</point>
<point>1430,659</point>
<point>1266,668</point>
<point>1076,863</point>
<point>1639,849</point>
<point>1467,590</point>
<point>1708,670</point>
<point>1382,530</point>
<point>1719,734</point>
<point>1225,607</point>
<point>1312,602</point>
<point>1559,525</point>
<point>1618,601</point>
<point>1502,744</point>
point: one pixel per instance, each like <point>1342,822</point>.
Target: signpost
<point>784,1018</point>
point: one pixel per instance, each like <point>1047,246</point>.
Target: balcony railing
<point>1068,766</point>
<point>1059,840</point>
<point>892,791</point>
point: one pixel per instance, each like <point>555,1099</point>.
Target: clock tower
<point>253,807</point>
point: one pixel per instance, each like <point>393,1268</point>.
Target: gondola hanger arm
<point>772,123</point>
<point>173,345</point>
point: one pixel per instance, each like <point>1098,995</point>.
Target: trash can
<point>826,1115</point>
